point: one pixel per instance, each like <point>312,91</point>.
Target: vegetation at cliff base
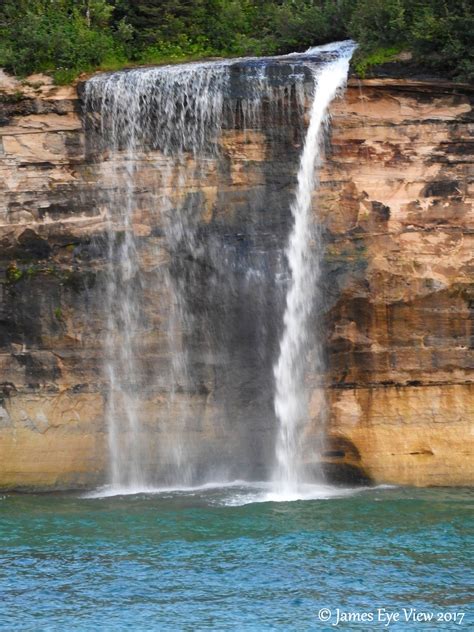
<point>67,37</point>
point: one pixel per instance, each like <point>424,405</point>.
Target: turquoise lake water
<point>221,559</point>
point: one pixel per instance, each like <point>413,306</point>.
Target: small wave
<point>237,493</point>
<point>303,492</point>
<point>109,491</point>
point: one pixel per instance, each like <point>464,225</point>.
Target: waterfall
<point>304,258</point>
<point>171,111</point>
<point>157,137</point>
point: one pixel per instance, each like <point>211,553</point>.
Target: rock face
<point>396,207</point>
<point>397,202</point>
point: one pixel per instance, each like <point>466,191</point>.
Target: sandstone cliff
<point>396,207</point>
<point>397,198</point>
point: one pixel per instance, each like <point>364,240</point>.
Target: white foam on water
<point>305,492</point>
<point>109,491</point>
<point>238,493</point>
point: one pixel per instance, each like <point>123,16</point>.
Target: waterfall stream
<point>291,396</point>
<point>157,135</point>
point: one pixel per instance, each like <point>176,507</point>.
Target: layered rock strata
<point>396,207</point>
<point>397,201</point>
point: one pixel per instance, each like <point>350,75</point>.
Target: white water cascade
<point>173,114</point>
<point>304,258</point>
<point>156,134</point>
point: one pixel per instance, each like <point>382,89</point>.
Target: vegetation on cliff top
<point>67,37</point>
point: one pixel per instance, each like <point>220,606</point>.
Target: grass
<point>13,274</point>
<point>149,59</point>
<point>67,77</point>
<point>363,62</point>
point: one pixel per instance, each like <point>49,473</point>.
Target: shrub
<point>65,37</point>
<point>53,37</point>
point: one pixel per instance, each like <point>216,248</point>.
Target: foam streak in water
<point>291,397</point>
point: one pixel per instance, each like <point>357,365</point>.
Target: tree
<point>59,36</point>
